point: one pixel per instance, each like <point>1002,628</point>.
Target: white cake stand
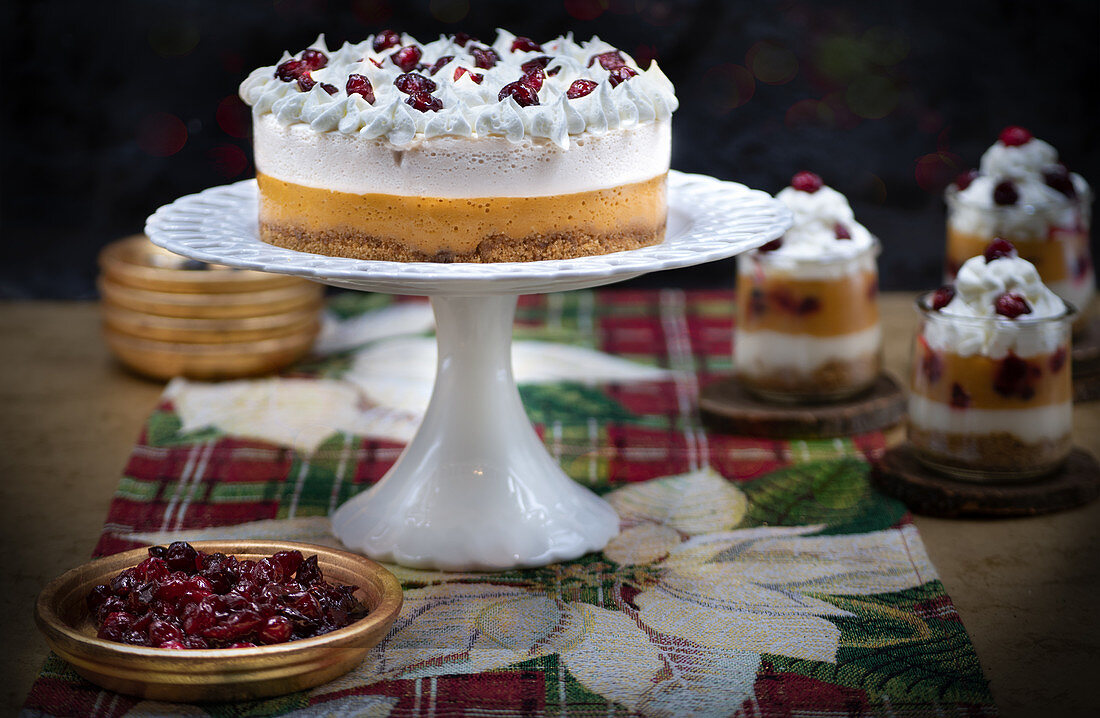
<point>476,489</point>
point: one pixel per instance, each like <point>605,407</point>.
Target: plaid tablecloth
<point>751,577</point>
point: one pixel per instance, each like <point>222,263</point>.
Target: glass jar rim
<point>923,306</point>
<point>874,249</point>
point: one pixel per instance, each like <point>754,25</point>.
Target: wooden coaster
<point>900,474</point>
<point>728,407</point>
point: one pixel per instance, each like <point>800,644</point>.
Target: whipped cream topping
<point>1039,207</point>
<point>470,109</point>
<point>982,331</point>
<point>817,218</point>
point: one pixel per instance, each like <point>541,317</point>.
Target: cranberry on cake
<point>461,151</point>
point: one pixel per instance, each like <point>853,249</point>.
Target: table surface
<point>1026,588</point>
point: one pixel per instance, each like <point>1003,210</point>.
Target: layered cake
<point>807,321</point>
<point>991,386</point>
<point>1022,193</point>
<point>461,151</point>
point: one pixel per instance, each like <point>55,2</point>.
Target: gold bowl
<point>138,263</point>
<point>225,674</point>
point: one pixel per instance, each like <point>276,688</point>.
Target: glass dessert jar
<point>808,324</point>
<point>1052,234</point>
<point>990,396</point>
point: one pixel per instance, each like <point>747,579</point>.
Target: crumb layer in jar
<point>992,452</point>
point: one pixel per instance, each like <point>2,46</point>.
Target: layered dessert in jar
<point>458,150</point>
<point>807,303</point>
<point>991,389</point>
<point>1022,193</point>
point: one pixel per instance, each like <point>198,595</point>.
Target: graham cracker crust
<point>496,248</point>
<point>833,380</point>
<point>996,452</point>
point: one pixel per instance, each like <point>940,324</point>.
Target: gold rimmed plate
<point>225,674</point>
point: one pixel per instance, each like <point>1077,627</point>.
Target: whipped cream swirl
<point>1039,207</point>
<point>470,109</point>
<point>820,217</point>
<point>980,330</point>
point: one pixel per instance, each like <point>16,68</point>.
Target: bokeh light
<point>233,116</point>
<point>161,134</point>
<point>229,160</point>
<point>810,112</point>
<point>449,10</point>
<point>886,45</point>
<point>771,62</point>
<point>727,87</point>
<point>872,97</point>
<point>935,171</point>
<point>585,9</point>
<point>644,55</point>
<point>372,12</point>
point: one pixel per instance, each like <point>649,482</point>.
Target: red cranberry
<point>1057,177</point>
<point>1014,136</point>
<point>475,76</point>
<point>438,64</point>
<point>152,569</point>
<point>314,59</point>
<point>161,631</point>
<point>182,557</point>
<point>330,89</point>
<point>411,82</point>
<point>580,88</point>
<point>808,305</point>
<point>173,645</point>
<point>385,40</point>
<point>360,85</point>
<point>306,82</point>
<point>960,398</point>
<point>158,551</point>
<point>608,60</point>
<point>309,572</point>
<point>484,57</point>
<point>289,70</point>
<point>998,248</point>
<point>772,245</point>
<point>1005,193</point>
<point>525,44</point>
<point>1058,360</point>
<point>620,74</point>
<point>407,57</point>
<point>1014,377</point>
<point>931,365</point>
<point>1011,305</point>
<point>461,38</point>
<point>288,560</point>
<point>275,629</point>
<point>424,102</point>
<point>539,62</point>
<point>523,94</point>
<point>963,181</point>
<point>534,78</point>
<point>942,297</point>
<point>807,182</point>
<point>841,231</point>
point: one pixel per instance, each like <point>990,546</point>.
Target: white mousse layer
<point>1045,422</point>
<point>460,166</point>
<point>762,352</point>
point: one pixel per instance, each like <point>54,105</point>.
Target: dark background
<point>113,109</point>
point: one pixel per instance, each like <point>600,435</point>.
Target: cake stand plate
<point>476,489</point>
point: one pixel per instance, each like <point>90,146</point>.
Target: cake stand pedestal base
<point>727,406</point>
<point>900,474</point>
<point>475,489</point>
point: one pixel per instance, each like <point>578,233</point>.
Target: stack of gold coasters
<point>166,316</point>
